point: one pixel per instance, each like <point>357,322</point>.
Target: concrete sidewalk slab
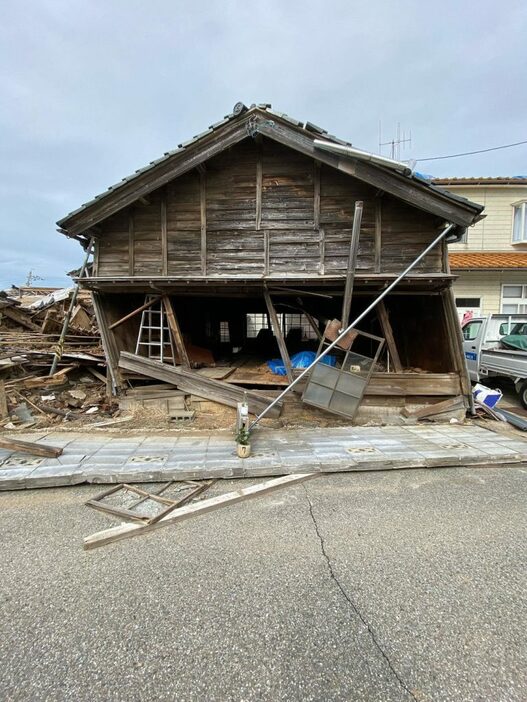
<point>104,459</point>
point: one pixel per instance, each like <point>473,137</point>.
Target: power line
<point>469,153</point>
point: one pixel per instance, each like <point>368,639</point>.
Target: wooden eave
<point>244,285</point>
<point>83,221</point>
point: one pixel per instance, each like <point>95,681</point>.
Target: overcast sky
<point>92,90</point>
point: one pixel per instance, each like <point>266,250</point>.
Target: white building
<point>491,260</point>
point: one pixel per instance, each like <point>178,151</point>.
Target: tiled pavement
<point>106,459</point>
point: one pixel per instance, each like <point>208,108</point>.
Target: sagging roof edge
<point>235,127</point>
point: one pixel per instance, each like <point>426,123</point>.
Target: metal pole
<point>355,322</point>
<point>65,325</point>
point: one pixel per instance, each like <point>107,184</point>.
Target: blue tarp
<point>302,359</point>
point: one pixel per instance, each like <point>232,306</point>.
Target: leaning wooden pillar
<point>109,344</point>
<point>456,345</point>
<point>387,332</point>
<point>277,331</point>
<point>350,275</point>
<point>175,330</point>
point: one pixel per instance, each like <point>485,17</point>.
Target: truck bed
<point>512,364</point>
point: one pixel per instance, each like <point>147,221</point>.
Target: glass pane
<point>351,384</point>
<point>512,291</point>
<point>345,404</point>
<point>356,363</point>
<point>509,309</point>
<point>471,330</point>
<point>317,395</point>
<point>324,375</point>
<point>517,226</point>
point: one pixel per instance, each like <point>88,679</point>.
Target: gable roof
<point>246,122</point>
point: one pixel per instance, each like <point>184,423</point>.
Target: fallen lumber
<point>127,531</point>
<point>30,447</point>
<point>435,408</point>
<point>193,383</point>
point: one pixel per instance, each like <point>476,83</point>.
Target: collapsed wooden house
<point>234,249</point>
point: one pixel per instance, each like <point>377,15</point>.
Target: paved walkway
<point>110,459</point>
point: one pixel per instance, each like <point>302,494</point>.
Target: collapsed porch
<point>230,332</point>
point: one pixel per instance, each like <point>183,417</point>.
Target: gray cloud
<point>92,91</point>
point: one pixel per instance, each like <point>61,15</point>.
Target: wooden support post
<point>131,244</point>
<point>387,332</point>
<point>96,250</point>
<point>316,195</point>
<point>176,332</point>
<point>164,235</point>
<point>134,312</point>
<point>203,216</point>
<point>350,276</point>
<point>259,187</point>
<point>322,251</point>
<point>456,344</point>
<point>266,236</point>
<point>277,331</point>
<point>109,344</point>
<point>378,235</point>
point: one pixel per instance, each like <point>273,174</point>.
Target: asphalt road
<point>405,585</point>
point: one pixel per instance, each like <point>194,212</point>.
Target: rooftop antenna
<point>401,139</point>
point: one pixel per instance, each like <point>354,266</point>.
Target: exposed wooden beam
<point>131,243</point>
<point>352,262</point>
<point>378,235</point>
<point>191,382</point>
<point>259,186</point>
<point>29,447</point>
<point>316,194</point>
<point>387,332</point>
<point>277,331</point>
<point>134,312</point>
<point>20,317</point>
<point>108,341</point>
<point>175,330</point>
<point>203,220</point>
<point>164,235</point>
<point>266,242</point>
<point>322,250</point>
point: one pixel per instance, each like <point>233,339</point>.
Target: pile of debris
<point>30,397</point>
<point>31,320</point>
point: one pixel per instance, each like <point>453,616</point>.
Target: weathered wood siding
<point>259,210</point>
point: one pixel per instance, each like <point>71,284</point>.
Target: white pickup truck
<point>487,363</point>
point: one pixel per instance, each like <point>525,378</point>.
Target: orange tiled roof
<point>487,260</point>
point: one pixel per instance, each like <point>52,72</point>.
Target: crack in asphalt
<point>352,604</point>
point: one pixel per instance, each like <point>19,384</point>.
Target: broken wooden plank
<point>20,317</point>
<point>29,447</point>
<point>175,331</point>
<point>277,331</point>
<point>128,512</point>
<point>436,408</point>
<point>127,531</point>
<point>191,382</point>
<point>352,262</point>
<point>134,312</point>
<point>387,332</point>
